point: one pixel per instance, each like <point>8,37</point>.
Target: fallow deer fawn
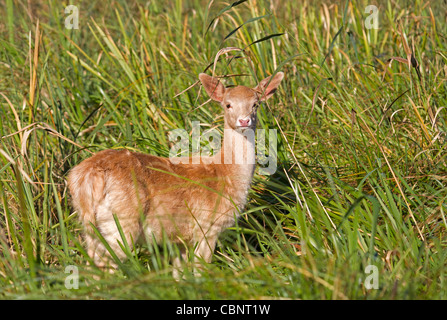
<point>189,203</point>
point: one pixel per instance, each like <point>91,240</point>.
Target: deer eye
<point>228,106</point>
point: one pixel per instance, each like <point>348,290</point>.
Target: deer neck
<point>237,156</point>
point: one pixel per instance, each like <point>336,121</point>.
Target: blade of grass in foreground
<point>27,234</point>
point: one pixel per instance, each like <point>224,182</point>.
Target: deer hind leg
<point>108,228</point>
<point>96,201</point>
<point>178,262</point>
<point>204,249</point>
<point>96,250</point>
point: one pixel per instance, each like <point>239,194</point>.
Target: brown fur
<point>189,203</point>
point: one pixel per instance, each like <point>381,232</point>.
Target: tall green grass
<point>361,122</point>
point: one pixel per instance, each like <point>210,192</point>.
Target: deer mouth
<point>244,127</point>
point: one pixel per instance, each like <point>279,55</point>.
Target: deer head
<point>240,103</point>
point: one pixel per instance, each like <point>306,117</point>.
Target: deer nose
<point>244,122</point>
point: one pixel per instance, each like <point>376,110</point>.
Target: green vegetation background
<point>361,120</point>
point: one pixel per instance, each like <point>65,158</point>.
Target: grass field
<point>357,206</point>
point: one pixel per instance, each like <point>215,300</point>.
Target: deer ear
<point>268,86</point>
<point>213,87</point>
